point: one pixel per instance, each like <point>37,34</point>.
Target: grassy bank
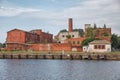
<point>51,52</point>
<point>37,52</point>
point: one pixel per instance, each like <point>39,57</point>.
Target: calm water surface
<point>59,70</point>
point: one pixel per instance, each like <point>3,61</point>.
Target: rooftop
<point>100,42</point>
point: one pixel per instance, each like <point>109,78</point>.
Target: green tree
<point>90,33</point>
<point>119,42</point>
<point>86,41</point>
<point>104,26</point>
<point>95,26</point>
<point>64,30</point>
<point>115,41</point>
<point>105,34</point>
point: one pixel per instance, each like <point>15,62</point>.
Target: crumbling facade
<point>20,40</point>
<point>99,33</point>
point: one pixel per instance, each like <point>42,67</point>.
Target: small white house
<point>98,46</point>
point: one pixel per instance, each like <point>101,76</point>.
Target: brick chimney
<point>70,24</point>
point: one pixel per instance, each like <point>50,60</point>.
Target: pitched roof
<point>100,42</point>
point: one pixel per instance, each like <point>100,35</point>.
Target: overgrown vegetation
<point>104,34</point>
<point>92,32</point>
<point>115,41</point>
<point>68,36</point>
<point>88,40</point>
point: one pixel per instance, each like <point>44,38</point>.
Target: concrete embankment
<point>62,57</point>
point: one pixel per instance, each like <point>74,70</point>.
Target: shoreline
<point>80,56</point>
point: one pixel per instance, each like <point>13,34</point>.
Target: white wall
<point>61,38</point>
<point>85,48</point>
<point>107,48</point>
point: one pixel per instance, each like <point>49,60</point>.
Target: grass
<point>38,52</point>
<point>51,52</point>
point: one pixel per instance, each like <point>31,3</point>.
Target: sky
<point>52,15</point>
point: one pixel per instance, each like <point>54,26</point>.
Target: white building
<point>62,36</point>
<point>98,46</point>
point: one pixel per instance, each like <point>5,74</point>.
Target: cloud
<point>88,11</point>
<point>9,11</point>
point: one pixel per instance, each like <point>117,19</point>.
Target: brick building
<point>43,37</point>
<point>20,40</point>
<point>100,33</point>
<point>75,43</point>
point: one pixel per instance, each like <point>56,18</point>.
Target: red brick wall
<point>15,36</point>
<point>60,47</point>
<point>22,37</point>
<point>29,37</point>
<point>51,47</point>
<point>17,46</point>
<point>44,37</point>
<point>78,48</point>
<point>75,41</point>
<point>32,38</point>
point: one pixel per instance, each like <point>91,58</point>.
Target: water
<point>59,70</point>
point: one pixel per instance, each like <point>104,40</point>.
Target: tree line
<point>115,41</point>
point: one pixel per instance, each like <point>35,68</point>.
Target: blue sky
<point>52,15</point>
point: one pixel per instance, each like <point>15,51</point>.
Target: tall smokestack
<point>70,24</point>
